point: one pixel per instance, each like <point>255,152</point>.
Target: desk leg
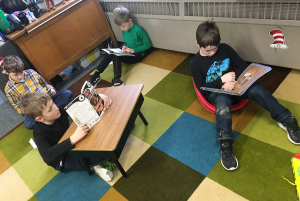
<point>120,168</point>
<point>143,118</point>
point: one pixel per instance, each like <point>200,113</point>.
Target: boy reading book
<point>136,41</point>
<point>211,67</point>
<point>23,81</point>
<point>51,124</point>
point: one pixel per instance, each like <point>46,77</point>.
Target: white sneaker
<point>105,174</point>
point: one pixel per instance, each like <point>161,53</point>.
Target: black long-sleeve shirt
<point>207,71</point>
<point>47,136</point>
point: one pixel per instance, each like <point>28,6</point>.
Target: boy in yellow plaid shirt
<point>23,81</point>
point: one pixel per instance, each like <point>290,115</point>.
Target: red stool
<point>211,108</point>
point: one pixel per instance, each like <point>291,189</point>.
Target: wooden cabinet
<point>61,37</point>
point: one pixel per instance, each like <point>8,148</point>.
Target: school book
<point>245,80</point>
<point>117,52</point>
<point>87,107</point>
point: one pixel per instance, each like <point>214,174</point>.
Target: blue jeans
<point>61,99</point>
<point>257,92</point>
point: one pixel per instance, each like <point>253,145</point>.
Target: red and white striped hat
<point>278,38</point>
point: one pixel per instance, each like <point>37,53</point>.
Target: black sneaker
<point>95,80</point>
<point>116,82</point>
<point>228,159</point>
<point>293,131</point>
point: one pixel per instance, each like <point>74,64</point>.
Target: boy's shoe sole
<point>105,174</point>
<point>232,168</point>
<point>284,128</point>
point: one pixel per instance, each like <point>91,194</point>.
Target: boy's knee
<point>256,89</point>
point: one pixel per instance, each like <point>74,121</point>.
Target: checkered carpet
<point>176,157</point>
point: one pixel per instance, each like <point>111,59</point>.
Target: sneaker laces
<point>293,125</point>
<point>227,149</point>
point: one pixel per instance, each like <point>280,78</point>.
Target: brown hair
<point>32,103</point>
<point>13,64</point>
<point>121,15</point>
<point>208,34</point>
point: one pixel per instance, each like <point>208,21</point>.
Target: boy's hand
<point>228,86</point>
<point>107,101</point>
<point>124,48</point>
<point>228,77</point>
<point>52,92</point>
<point>80,133</point>
<point>129,50</point>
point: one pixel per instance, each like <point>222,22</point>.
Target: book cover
<point>252,73</point>
<point>87,107</point>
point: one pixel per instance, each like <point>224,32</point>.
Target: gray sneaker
<point>293,131</point>
<point>95,80</point>
<point>116,82</point>
<point>105,174</point>
<point>228,159</point>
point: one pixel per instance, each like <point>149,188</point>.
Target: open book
<point>87,107</point>
<point>245,80</point>
<point>117,52</point>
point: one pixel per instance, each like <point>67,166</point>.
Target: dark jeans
<point>76,163</point>
<point>257,92</point>
<point>117,63</point>
<point>61,99</point>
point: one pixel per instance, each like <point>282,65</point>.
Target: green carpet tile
<point>159,177</point>
<point>175,89</point>
<point>265,129</point>
<point>156,113</point>
<point>32,166</point>
<point>259,176</point>
<point>16,145</point>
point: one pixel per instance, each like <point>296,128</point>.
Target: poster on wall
<point>278,39</point>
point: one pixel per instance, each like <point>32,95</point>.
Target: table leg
<point>120,168</point>
<point>143,118</point>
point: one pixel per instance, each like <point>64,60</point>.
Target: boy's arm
<point>51,153</point>
<point>14,101</point>
<point>145,39</point>
<point>200,81</point>
<point>43,82</point>
<point>237,61</point>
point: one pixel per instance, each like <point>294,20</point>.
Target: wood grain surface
<point>105,135</point>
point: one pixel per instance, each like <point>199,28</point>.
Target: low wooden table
<point>107,138</point>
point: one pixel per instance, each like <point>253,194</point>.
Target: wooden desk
<point>61,37</point>
<point>107,138</point>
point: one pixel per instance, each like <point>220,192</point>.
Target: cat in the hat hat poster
<point>278,39</point>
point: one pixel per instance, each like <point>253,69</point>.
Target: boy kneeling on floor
<point>51,124</point>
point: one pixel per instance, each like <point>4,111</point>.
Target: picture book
<point>117,52</point>
<point>87,107</point>
<point>253,72</point>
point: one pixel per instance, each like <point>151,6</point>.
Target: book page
<point>117,52</point>
<point>81,111</point>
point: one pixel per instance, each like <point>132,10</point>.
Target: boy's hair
<point>32,103</point>
<point>121,15</point>
<point>208,34</point>
<point>13,64</point>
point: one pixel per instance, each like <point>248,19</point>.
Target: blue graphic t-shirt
<point>216,70</point>
<point>207,71</point>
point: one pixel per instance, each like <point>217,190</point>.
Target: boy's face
<point>49,114</point>
<point>17,77</point>
<point>126,26</point>
<point>208,51</point>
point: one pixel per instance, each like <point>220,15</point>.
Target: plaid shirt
<point>32,82</point>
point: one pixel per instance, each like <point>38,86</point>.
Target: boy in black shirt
<point>211,67</point>
<point>51,124</point>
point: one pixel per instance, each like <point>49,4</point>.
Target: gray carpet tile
<point>9,118</point>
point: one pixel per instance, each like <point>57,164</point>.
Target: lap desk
<point>107,138</point>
